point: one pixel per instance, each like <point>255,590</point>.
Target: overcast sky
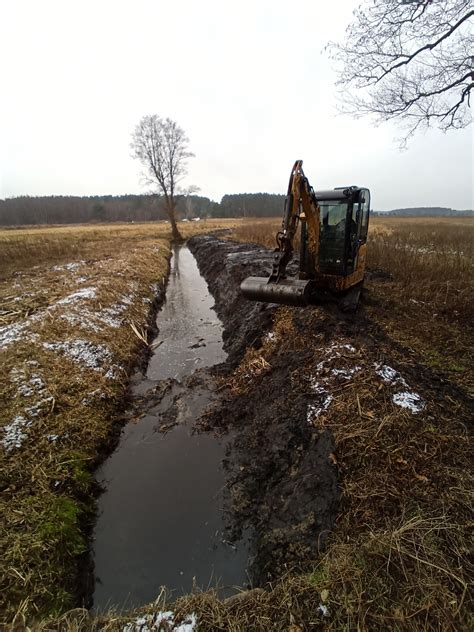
<point>247,80</point>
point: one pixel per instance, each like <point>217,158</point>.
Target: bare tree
<point>162,148</point>
<point>409,60</point>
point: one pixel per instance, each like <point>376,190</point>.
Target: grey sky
<point>247,80</point>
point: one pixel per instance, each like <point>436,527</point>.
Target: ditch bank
<point>282,481</point>
<point>200,491</point>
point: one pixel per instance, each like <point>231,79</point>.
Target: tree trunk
<point>172,217</point>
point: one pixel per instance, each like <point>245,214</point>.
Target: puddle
<point>160,519</point>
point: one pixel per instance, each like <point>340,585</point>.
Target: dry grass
<point>399,556</point>
<point>422,272</point>
<point>75,306</point>
<point>432,258</point>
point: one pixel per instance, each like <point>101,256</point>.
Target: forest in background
<point>26,210</point>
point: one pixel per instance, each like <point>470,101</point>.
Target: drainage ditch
<point>161,518</point>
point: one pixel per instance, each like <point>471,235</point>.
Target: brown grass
<point>399,556</point>
<point>55,403</point>
<point>432,258</point>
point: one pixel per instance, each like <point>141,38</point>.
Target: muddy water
<point>161,517</point>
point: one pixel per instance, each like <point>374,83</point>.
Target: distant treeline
<point>70,209</point>
<point>141,208</point>
<point>426,211</point>
<point>108,208</point>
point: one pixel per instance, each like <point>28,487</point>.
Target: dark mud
<point>224,265</point>
<point>282,481</point>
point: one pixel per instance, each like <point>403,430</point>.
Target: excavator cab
<point>344,222</point>
<point>332,251</point>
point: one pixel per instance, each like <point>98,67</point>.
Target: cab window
<point>365,209</point>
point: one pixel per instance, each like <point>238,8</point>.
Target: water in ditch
<point>160,519</point>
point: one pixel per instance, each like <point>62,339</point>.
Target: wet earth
<point>214,484</point>
<point>205,488</point>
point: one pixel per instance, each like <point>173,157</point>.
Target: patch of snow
<point>410,400</point>
<point>94,320</point>
<point>84,293</point>
<point>11,333</point>
<point>97,394</point>
<point>270,336</point>
<point>324,610</point>
<point>52,437</point>
<point>127,299</point>
<point>83,352</point>
<point>82,320</point>
<point>15,433</point>
<point>74,265</point>
<point>39,407</point>
<point>152,623</point>
<point>389,375</point>
<point>113,373</point>
<point>27,386</point>
<point>349,348</point>
<point>81,279</point>
<point>315,410</point>
<point>346,374</point>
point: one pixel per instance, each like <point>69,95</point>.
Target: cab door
<point>362,230</point>
<point>364,212</point>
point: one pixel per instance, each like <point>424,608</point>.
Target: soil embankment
<point>282,481</point>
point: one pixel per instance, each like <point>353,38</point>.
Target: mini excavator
<point>333,245</point>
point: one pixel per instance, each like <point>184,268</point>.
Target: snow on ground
<point>404,398</point>
<point>14,333</point>
<point>154,623</point>
<point>338,366</point>
<point>15,433</point>
<point>30,385</point>
<point>315,410</point>
<point>27,384</point>
<point>409,400</point>
<point>93,356</point>
<point>74,265</point>
<point>83,293</point>
<point>73,309</point>
<point>326,376</point>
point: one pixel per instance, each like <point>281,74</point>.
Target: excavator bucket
<point>285,291</point>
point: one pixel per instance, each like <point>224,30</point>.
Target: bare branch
<point>409,60</point>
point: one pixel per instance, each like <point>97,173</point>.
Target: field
<point>77,310</point>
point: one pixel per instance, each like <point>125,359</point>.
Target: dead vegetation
<point>75,304</point>
<point>399,557</point>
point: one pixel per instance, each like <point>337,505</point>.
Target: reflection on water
<point>160,520</point>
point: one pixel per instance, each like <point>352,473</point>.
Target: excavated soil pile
<point>283,484</point>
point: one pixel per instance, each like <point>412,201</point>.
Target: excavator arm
<point>300,205</point>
